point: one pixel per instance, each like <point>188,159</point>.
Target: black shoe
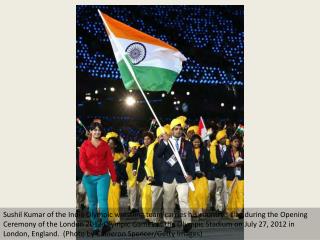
<point>95,232</point>
<point>167,229</point>
<point>187,227</point>
<point>177,207</point>
<point>173,225</point>
<point>106,228</point>
<point>240,215</point>
<point>134,210</point>
<point>155,224</point>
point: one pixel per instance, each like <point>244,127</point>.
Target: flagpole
<point>236,131</point>
<point>151,124</point>
<point>175,152</point>
<point>81,124</point>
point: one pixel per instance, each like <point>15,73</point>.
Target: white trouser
<point>219,194</point>
<point>169,190</point>
<point>157,200</point>
<point>133,196</point>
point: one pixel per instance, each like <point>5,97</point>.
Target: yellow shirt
<point>197,152</point>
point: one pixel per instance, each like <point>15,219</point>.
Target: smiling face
<point>96,133</point>
<point>177,131</point>
<point>196,143</point>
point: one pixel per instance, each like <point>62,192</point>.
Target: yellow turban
<point>183,120</point>
<point>110,135</point>
<point>194,128</point>
<point>176,122</point>
<point>134,144</point>
<point>221,134</point>
<point>166,129</point>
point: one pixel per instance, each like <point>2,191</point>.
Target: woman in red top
<point>96,162</point>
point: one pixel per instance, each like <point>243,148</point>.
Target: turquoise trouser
<point>97,188</point>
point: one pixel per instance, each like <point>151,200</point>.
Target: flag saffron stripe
<point>122,30</point>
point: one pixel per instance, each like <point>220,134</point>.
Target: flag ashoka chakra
<point>137,52</point>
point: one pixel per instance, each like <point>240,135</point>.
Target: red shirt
<point>97,160</point>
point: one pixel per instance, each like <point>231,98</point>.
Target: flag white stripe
<point>156,56</point>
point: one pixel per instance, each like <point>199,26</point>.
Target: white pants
<point>169,190</point>
<point>133,195</point>
<point>157,200</point>
<point>219,194</point>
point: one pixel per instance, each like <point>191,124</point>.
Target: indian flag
<point>155,63</point>
<point>203,130</point>
<point>240,129</point>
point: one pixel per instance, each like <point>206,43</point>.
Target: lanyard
<point>221,150</point>
<point>181,147</point>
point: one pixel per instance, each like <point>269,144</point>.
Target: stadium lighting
<point>112,89</point>
<point>163,95</point>
<point>96,92</point>
<point>178,102</point>
<point>105,89</point>
<point>130,90</point>
<point>222,104</point>
<point>130,101</point>
<point>88,98</point>
<point>174,102</point>
<point>188,93</point>
<point>234,108</point>
<point>172,92</point>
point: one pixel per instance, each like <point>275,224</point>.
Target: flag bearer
<point>173,179</point>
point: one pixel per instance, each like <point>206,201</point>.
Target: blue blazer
<point>158,164</point>
<point>140,154</point>
<point>205,162</point>
<point>230,172</point>
<point>164,152</point>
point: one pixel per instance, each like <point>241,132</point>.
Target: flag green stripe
<point>150,78</point>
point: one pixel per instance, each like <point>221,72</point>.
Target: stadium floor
<point>135,227</point>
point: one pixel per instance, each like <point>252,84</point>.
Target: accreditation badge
<point>238,171</point>
<point>172,160</point>
<point>197,167</point>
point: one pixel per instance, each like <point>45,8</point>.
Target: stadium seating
<point>216,31</point>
